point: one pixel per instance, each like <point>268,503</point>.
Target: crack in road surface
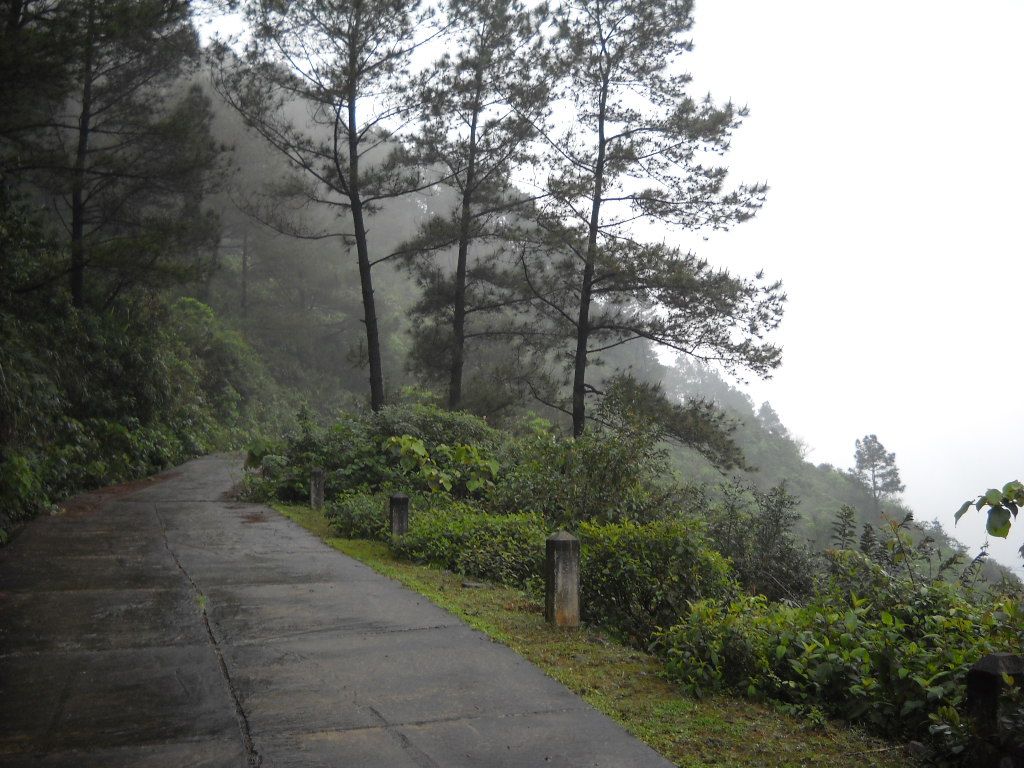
<point>253,757</point>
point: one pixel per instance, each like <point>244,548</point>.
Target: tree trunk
<point>459,313</point>
<point>579,382</point>
<point>14,15</point>
<point>362,251</point>
<point>369,309</point>
<point>245,275</point>
<point>77,274</point>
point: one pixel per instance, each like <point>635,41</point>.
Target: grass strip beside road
<point>625,684</point>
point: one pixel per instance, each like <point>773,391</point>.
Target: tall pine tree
<point>876,468</point>
<point>124,154</point>
<point>322,82</point>
<point>481,102</point>
<point>632,147</point>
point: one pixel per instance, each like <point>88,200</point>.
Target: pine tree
<point>869,541</point>
<point>844,527</point>
<point>480,105</point>
<point>34,74</point>
<point>633,148</point>
<point>876,468</point>
<point>124,153</point>
<point>343,65</point>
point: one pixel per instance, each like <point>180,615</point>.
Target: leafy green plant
<point>360,453</point>
<point>892,655</point>
<point>605,475</point>
<point>754,529</point>
<point>637,578</point>
<point>723,644</point>
<point>477,470</point>
<point>91,398</point>
<point>432,425</point>
<point>1003,506</point>
<point>356,515</point>
<point>463,470</point>
<point>508,549</point>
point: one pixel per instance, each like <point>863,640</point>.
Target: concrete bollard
<point>985,681</point>
<point>399,514</point>
<point>562,580</point>
<point>317,481</point>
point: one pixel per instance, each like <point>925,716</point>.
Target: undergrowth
<point>625,683</point>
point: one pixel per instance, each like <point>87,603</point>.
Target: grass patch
<point>625,684</point>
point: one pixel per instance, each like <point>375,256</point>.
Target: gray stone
<point>399,508</point>
<point>985,681</point>
<point>317,481</point>
<point>562,580</point>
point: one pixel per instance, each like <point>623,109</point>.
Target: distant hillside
<point>777,457</point>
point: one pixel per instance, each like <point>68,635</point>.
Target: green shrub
<point>92,397</point>
<point>894,658</point>
<point>432,425</point>
<point>264,477</point>
<point>637,578</point>
<point>722,644</point>
<point>508,549</point>
<point>463,470</point>
<point>754,529</point>
<point>361,453</point>
<point>20,489</point>
<point>605,475</point>
<point>356,515</point>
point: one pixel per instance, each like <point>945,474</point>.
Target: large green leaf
<point>998,522</point>
<point>993,497</point>
<point>960,512</point>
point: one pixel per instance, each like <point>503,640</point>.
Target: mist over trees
<point>294,186</point>
<point>329,88</point>
<point>430,246</point>
<point>460,200</point>
<point>343,62</point>
<point>477,204</point>
<point>634,150</point>
<point>480,106</point>
<point>116,142</point>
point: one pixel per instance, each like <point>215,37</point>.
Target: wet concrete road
<point>170,627</point>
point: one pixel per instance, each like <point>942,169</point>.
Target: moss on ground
<point>623,683</point>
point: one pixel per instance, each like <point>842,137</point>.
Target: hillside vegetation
<point>721,591</point>
<point>307,244</point>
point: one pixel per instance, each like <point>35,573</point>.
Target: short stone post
<point>317,481</point>
<point>985,682</point>
<point>562,580</point>
<point>399,514</point>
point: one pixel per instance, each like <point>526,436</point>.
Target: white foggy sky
<point>891,136</point>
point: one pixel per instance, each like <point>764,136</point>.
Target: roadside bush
<point>91,397</point>
<point>264,477</point>
<point>639,578</point>
<point>508,549</point>
<point>464,470</point>
<point>895,658</point>
<point>433,425</point>
<point>754,529</point>
<point>725,644</point>
<point>360,453</point>
<point>604,475</point>
<point>356,515</point>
